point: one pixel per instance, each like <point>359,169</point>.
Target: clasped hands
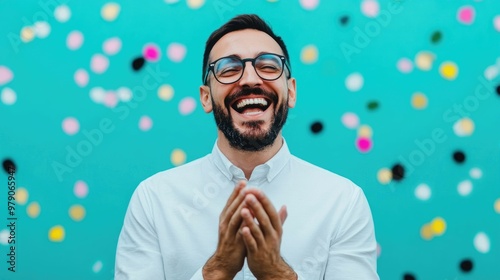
<point>249,227</point>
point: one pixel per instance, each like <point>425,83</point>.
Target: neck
<point>248,160</point>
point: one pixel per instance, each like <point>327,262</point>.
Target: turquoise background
<point>43,71</point>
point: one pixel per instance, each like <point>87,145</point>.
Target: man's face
<point>252,111</point>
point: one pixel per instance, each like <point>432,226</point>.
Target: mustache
<point>247,91</point>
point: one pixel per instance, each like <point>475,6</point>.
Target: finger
<point>255,228</point>
<point>260,214</point>
<point>234,223</point>
<point>248,239</point>
<point>268,208</point>
<point>234,194</point>
<point>283,213</point>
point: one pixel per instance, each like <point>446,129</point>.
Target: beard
<point>255,138</point>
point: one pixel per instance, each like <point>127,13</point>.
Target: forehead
<point>244,43</point>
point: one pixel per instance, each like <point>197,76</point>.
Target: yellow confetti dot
<point>178,157</point>
<point>195,4</point>
<point>309,54</point>
<point>438,226</point>
<point>464,127</point>
<point>497,206</point>
<point>365,131</point>
<point>419,100</point>
<point>424,60</point>
<point>56,233</point>
<point>166,92</point>
<point>27,34</point>
<point>77,212</point>
<point>448,70</point>
<point>21,196</point>
<point>110,11</point>
<point>33,210</point>
<point>384,176</point>
<point>426,232</point>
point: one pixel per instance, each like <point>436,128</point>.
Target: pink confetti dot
<point>5,75</point>
<point>74,40</point>
<point>405,65</point>
<point>187,105</point>
<point>309,4</point>
<point>496,23</point>
<point>81,77</point>
<point>70,126</point>
<point>176,52</point>
<point>350,120</point>
<point>81,189</point>
<point>151,52</point>
<point>364,144</point>
<point>112,46</point>
<point>99,63</point>
<point>110,99</point>
<point>145,123</point>
<point>370,8</point>
<point>466,15</point>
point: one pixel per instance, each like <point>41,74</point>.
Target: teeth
<point>249,101</point>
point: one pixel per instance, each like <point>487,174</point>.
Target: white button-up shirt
<point>171,225</point>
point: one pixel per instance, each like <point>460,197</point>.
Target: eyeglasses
<point>229,69</point>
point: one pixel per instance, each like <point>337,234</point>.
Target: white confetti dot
<point>491,72</point>
<point>4,237</point>
<point>9,96</point>
<point>350,120</point>
<point>354,82</point>
<point>176,52</point>
<point>97,266</point>
<point>423,192</point>
<point>464,188</point>
<point>42,29</point>
<point>124,94</point>
<point>476,173</point>
<point>482,242</point>
<point>370,8</point>
<point>62,13</point>
<point>97,94</point>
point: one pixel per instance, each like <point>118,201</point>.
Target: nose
<point>249,77</point>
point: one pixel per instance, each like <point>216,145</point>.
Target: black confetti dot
<point>372,105</point>
<point>466,265</point>
<point>398,172</point>
<point>344,20</point>
<point>409,276</point>
<point>138,63</point>
<point>436,37</point>
<point>316,127</point>
<point>459,156</point>
<point>9,166</point>
<point>498,89</point>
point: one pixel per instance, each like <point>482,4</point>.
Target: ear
<point>205,99</point>
<point>292,92</point>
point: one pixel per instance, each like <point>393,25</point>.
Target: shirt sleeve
<point>353,251</point>
<point>138,253</point>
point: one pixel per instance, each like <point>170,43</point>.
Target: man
<point>215,218</point>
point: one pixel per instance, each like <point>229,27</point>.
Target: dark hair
<point>246,21</point>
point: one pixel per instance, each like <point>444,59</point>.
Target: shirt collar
<point>266,171</point>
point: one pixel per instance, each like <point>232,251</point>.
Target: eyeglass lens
<point>230,69</point>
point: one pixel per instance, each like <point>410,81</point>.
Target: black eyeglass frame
<point>244,62</point>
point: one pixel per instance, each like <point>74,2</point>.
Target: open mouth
<point>251,105</point>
